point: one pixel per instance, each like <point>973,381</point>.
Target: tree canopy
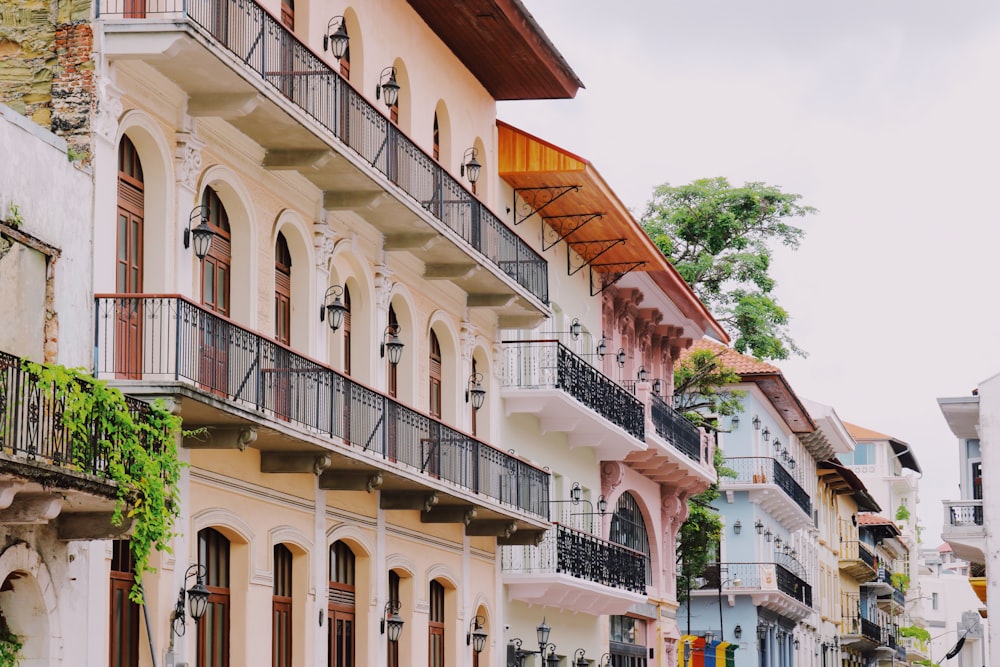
<point>720,238</point>
<point>700,393</point>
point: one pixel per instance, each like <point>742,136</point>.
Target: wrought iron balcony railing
<point>275,55</point>
<point>548,364</point>
<point>168,338</point>
<point>964,513</point>
<point>765,470</point>
<point>673,427</point>
<point>31,426</point>
<point>583,556</point>
<point>753,576</point>
<point>858,550</point>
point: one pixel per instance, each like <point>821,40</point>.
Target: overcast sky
<point>882,114</point>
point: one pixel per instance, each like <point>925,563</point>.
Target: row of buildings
<point>423,362</point>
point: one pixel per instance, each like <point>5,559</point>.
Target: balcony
<point>769,585</point>
<point>894,603</point>
<point>305,417</point>
<point>916,649</point>
<point>569,395</point>
<point>236,62</point>
<point>772,487</point>
<point>576,571</point>
<point>964,529</point>
<point>858,561</point>
<point>678,453</point>
<point>46,475</point>
<point>859,631</point>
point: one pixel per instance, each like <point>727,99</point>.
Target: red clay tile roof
<point>862,433</point>
<point>873,520</point>
<point>741,363</point>
<point>768,379</point>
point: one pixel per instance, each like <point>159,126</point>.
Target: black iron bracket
<point>588,251</point>
<point>534,200</point>
<point>564,226</point>
<point>616,271</point>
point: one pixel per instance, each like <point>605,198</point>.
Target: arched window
<point>128,262</point>
<point>282,291</point>
<point>345,61</point>
<point>435,377</point>
<point>124,622</point>
<point>213,629</point>
<point>435,625</point>
<point>437,138</point>
<point>629,529</point>
<point>347,331</point>
<point>474,411</point>
<point>215,268</point>
<point>392,377</point>
<point>340,610</point>
<point>281,608</point>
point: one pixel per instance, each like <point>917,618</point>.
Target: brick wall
<point>46,69</point>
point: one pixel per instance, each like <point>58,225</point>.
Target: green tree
<point>700,393</point>
<point>720,238</point>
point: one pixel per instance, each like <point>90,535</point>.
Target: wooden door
<point>124,621</point>
<point>281,376</point>
<point>215,279</point>
<point>128,262</point>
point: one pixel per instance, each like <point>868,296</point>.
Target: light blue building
<point>760,593</point>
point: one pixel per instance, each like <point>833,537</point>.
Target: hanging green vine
<point>136,449</point>
<point>10,646</point>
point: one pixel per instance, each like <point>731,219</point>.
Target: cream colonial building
<point>418,354</point>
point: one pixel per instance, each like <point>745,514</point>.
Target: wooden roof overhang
<point>581,211</point>
<point>780,394</point>
<point>503,47</point>
<point>842,480</point>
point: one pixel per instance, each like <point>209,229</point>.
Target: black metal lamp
<point>641,375</point>
<point>759,526</point>
<point>201,235</point>
<point>550,659</point>
<point>387,87</point>
<point>335,39</point>
<point>777,543</point>
<point>657,386</point>
<point>791,463</point>
<point>333,311</point>
<point>766,434</point>
<point>767,535</point>
<point>575,328</point>
<point>734,422</point>
<point>602,504</point>
<point>543,631</point>
<point>797,644</point>
<point>475,391</point>
<point>737,527</point>
<point>621,357</point>
<point>578,659</point>
<point>470,165</point>
<point>576,492</point>
<point>738,632</point>
<point>761,631</point>
<point>392,620</point>
<point>605,660</point>
<point>476,634</point>
<point>602,348</point>
<point>756,422</point>
<point>777,445</point>
<point>196,598</point>
<point>392,344</point>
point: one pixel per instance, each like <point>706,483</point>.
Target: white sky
<point>883,114</point>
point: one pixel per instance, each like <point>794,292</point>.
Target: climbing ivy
<point>137,450</point>
<point>10,646</point>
